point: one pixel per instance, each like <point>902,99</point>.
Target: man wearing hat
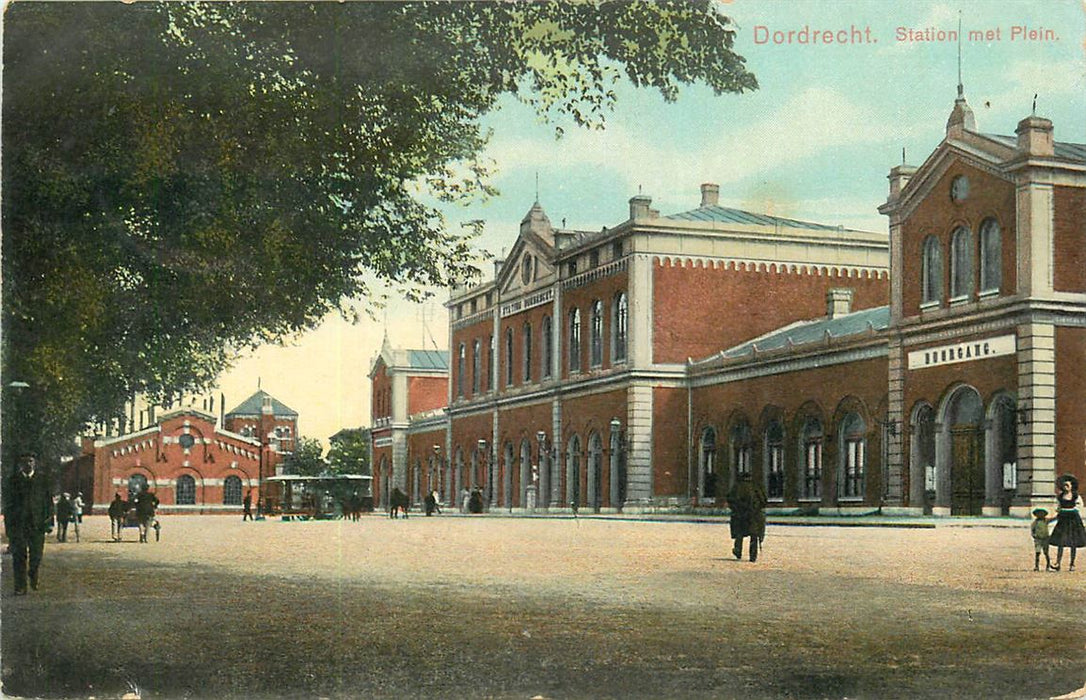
<point>747,502</point>
<point>1040,539</point>
<point>28,515</point>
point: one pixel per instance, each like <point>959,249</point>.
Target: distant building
<point>187,460</point>
<point>647,365</point>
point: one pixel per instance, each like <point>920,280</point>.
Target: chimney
<point>639,207</point>
<point>899,177</point>
<point>1035,136</point>
<point>498,264</point>
<point>710,194</point>
<point>266,405</point>
<point>838,302</point>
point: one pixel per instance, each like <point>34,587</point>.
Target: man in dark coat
<point>28,515</point>
<point>146,503</point>
<point>116,516</point>
<point>747,502</point>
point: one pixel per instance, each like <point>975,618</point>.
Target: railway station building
<point>938,369</point>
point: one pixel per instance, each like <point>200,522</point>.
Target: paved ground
<point>453,607</point>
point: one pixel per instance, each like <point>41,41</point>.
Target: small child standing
<point>1039,530</point>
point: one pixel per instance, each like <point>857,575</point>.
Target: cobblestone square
<point>495,607</point>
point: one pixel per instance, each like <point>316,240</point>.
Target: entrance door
<point>966,472</point>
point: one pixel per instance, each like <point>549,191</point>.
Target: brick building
<point>646,365</point>
<point>191,459</point>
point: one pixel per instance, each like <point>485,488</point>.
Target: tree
<point>183,181</point>
<point>349,452</point>
<point>307,459</point>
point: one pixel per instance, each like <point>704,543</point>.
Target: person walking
<point>63,509</point>
<point>747,502</point>
<point>28,512</point>
<point>1069,531</point>
<point>77,513</point>
<point>247,506</point>
<point>116,516</point>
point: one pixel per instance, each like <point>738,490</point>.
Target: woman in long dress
<point>1069,531</point>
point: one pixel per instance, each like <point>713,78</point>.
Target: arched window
<point>575,340</point>
<point>774,460</point>
<point>460,363</point>
<point>186,490</point>
<point>231,491</point>
<point>961,263</point>
<point>476,366</point>
<point>509,357</point>
<point>932,271</point>
<point>548,346</point>
<point>991,256</point>
<point>573,470</point>
<point>596,342</point>
<point>812,459</point>
<point>527,353</point>
<point>853,456</point>
<point>619,321</point>
<point>708,463</point>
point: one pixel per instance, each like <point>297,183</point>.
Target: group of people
<point>144,503</point>
<point>1068,532</point>
<point>68,511</point>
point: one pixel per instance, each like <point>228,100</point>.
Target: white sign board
<point>962,352</point>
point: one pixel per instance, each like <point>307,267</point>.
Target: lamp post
<point>541,438</point>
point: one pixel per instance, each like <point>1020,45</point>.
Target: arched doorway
<point>964,421</point>
<point>506,497</point>
<point>707,464</point>
<point>525,473</point>
<point>1001,448</point>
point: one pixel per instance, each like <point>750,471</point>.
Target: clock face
<point>959,188</point>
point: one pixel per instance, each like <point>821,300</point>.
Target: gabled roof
<point>728,215</point>
<point>410,360</point>
<point>252,406</point>
<point>817,330</point>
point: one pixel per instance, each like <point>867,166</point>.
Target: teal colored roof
<point>428,359</point>
<point>728,215</point>
<point>252,406</point>
<point>805,332</point>
<point>1068,151</point>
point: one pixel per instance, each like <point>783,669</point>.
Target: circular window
<point>959,188</point>
<point>186,441</point>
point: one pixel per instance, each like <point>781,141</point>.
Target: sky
<point>814,142</point>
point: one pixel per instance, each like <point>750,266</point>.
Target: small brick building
<point>938,369</point>
<point>191,463</point>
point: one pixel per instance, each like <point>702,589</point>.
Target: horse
<point>398,503</point>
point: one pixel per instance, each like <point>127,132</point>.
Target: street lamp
<point>618,441</point>
<point>485,452</point>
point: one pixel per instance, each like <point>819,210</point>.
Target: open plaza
<point>457,606</point>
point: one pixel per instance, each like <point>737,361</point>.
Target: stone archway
<point>963,473</point>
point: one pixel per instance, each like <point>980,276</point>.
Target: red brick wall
<point>468,335</point>
<point>516,322</point>
<point>937,215</point>
<point>1071,402</point>
<point>381,396</point>
<point>426,393</point>
<point>670,466</point>
<point>582,416</point>
<point>604,289</point>
<point>701,310</point>
<point>515,426</point>
<point>466,433</point>
<point>420,450</point>
<point>827,392</point>
<point>1070,239</point>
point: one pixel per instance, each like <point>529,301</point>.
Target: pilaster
<point>639,478</point>
<point>1037,398</point>
<point>894,489</point>
<point>640,319</point>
